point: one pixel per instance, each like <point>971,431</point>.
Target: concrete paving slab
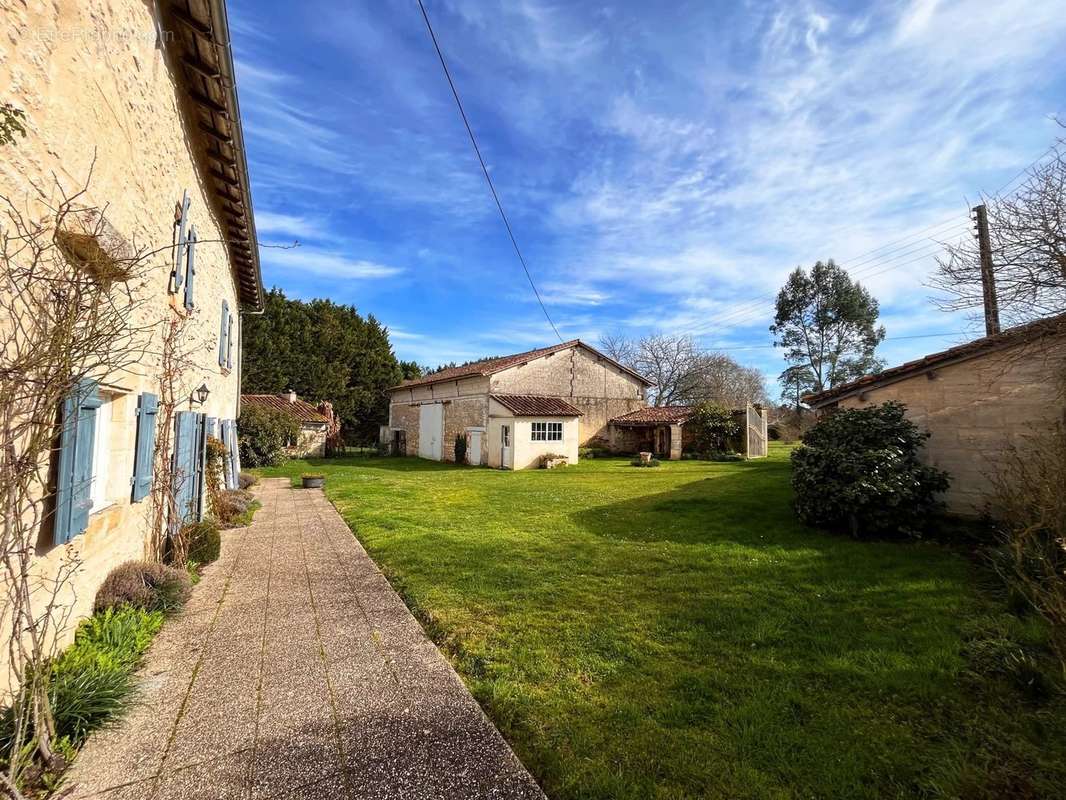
<point>296,672</point>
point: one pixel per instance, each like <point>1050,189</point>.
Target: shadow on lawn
<point>746,503</point>
<point>390,463</point>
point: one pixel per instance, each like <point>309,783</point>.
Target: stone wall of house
<point>460,414</point>
<point>975,408</point>
<point>99,97</point>
<point>465,406</point>
<point>597,388</point>
<point>310,444</point>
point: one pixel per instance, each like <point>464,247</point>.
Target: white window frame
<point>546,432</point>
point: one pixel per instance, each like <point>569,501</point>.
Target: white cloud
<point>271,222</point>
<point>326,263</point>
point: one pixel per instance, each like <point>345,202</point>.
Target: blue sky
<point>664,165</point>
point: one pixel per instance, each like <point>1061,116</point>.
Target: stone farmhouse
<point>315,421</point>
<point>975,399</point>
<point>515,409</point>
<point>148,107</point>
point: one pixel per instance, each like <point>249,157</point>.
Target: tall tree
<point>827,322</point>
<point>322,351</point>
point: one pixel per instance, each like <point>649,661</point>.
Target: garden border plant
<point>858,469</point>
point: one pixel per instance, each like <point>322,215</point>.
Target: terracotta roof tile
<point>1051,326</point>
<point>530,405</point>
<point>299,409</point>
<point>655,415</point>
<point>490,366</point>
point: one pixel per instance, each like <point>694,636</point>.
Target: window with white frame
<point>547,431</point>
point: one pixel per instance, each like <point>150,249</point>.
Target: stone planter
<point>645,458</point>
<point>313,481</point>
<point>552,463</point>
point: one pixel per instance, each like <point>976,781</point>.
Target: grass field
<point>675,633</point>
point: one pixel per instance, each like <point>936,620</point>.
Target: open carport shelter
<point>663,430</point>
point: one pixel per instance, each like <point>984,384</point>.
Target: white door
<point>473,448</point>
<point>505,447</point>
<point>430,430</point>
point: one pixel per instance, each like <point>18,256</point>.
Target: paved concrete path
<point>297,672</point>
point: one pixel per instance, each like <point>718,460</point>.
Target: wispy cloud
<point>314,261</point>
<point>664,165</point>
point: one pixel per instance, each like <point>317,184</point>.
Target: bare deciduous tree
<point>683,373</point>
<point>69,297</point>
<point>1028,236</point>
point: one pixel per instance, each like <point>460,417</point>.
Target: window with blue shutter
<point>74,476</point>
<point>179,254</point>
<point>143,466</point>
<point>223,335</point>
<point>190,268</point>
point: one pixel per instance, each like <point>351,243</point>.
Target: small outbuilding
<point>663,430</point>
<point>315,421</point>
<point>976,400</point>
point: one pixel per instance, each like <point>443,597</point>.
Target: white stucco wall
<point>527,453</point>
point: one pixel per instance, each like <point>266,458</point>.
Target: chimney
<point>291,395</point>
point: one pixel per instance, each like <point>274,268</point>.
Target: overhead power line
<point>886,339</point>
<point>485,169</point>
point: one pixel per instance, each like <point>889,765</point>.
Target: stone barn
<point>975,399</point>
<point>514,409</point>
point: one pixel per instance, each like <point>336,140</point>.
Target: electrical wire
<point>485,170</point>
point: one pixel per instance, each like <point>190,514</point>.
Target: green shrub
<point>594,452</point>
<point>203,542</point>
<point>858,469</point>
<point>712,428</point>
<point>636,462</point>
<point>263,434</point>
<point>234,508</point>
<point>460,448</point>
<point>147,585</point>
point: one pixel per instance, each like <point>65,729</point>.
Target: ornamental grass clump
<point>859,470</point>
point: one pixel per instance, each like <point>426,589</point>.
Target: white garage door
<point>430,430</point>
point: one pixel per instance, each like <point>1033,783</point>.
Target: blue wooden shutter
<point>230,434</point>
<point>143,467</point>
<point>184,465</point>
<point>229,344</point>
<point>179,255</point>
<point>75,474</point>
<point>199,464</point>
<point>190,268</point>
<point>223,335</point>
<point>212,427</point>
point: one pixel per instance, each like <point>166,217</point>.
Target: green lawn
<point>675,633</point>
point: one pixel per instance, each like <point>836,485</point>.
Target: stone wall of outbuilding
<point>974,409</point>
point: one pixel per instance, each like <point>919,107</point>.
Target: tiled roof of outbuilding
<point>655,415</point>
<point>490,366</point>
<point>530,405</point>
<point>299,409</point>
<point>1020,334</point>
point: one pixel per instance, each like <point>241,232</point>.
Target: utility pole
<point>988,278</point>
